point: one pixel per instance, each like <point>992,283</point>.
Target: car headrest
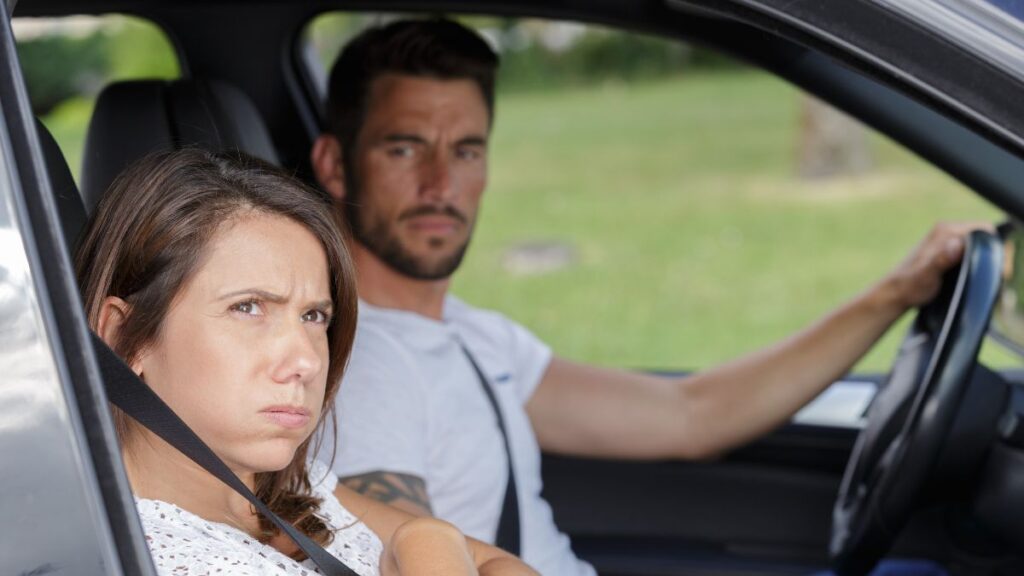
<point>70,207</point>
<point>135,118</point>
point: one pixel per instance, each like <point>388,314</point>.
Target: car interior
<point>768,508</point>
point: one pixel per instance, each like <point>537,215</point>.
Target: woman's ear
<point>328,167</point>
<point>113,312</point>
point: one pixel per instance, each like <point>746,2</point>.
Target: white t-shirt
<point>410,402</point>
<point>183,544</point>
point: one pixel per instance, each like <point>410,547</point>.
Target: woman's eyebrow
<point>273,298</point>
<point>323,305</point>
<point>261,294</point>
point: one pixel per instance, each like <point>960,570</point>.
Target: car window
<point>67,61</point>
<point>655,204</point>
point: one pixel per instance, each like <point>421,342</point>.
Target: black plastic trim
<point>1000,495</point>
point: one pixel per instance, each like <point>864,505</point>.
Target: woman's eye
<point>249,308</point>
<point>316,316</point>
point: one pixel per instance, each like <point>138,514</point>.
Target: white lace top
<point>183,544</point>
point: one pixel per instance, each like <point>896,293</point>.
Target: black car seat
<point>70,208</point>
<point>135,118</point>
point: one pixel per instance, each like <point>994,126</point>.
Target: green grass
<point>695,240</point>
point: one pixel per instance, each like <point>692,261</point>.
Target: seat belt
<point>508,535</point>
<point>136,399</point>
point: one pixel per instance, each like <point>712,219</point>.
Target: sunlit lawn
<point>695,241</point>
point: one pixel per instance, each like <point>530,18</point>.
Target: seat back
<point>70,208</point>
<point>136,118</point>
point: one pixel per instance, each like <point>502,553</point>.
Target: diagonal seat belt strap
<point>129,393</point>
<point>508,534</point>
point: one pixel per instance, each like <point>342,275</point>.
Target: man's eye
<point>248,308</point>
<point>316,316</point>
<point>400,151</point>
<point>468,153</point>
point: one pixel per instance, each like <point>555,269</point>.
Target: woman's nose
<point>299,357</point>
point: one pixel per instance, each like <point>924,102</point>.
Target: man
<point>409,112</point>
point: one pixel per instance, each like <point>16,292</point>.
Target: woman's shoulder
<point>321,478</point>
<point>354,542</point>
<point>183,544</point>
<point>164,518</point>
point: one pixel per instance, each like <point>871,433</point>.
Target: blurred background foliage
<point>67,61</point>
<point>546,55</point>
<point>77,57</point>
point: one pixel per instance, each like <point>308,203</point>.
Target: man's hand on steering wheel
<point>916,280</point>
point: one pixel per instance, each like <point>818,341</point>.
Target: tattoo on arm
<point>400,490</point>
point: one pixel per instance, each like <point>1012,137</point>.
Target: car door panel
<point>764,509</point>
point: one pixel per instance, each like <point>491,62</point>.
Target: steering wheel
<point>913,412</point>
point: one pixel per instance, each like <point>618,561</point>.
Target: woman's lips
<point>287,416</point>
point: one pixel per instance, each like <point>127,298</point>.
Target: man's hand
<point>426,546</point>
<point>419,546</point>
<point>917,279</point>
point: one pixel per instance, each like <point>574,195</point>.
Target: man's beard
<point>378,237</point>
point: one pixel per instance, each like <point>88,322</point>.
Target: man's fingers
<point>919,276</point>
<point>950,240</point>
<point>962,229</point>
<point>953,250</point>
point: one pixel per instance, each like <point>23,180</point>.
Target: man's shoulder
<point>372,332</point>
<point>380,354</point>
<point>467,316</point>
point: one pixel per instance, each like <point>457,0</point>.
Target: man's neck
<point>381,286</point>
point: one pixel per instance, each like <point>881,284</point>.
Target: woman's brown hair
<point>149,236</point>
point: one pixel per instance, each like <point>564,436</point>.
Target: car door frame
<point>67,455</point>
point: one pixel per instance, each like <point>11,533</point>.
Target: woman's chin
<point>270,457</point>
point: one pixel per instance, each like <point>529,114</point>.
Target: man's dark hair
<point>432,48</point>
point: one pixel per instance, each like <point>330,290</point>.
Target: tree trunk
<point>830,143</point>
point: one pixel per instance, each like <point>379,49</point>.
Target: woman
<point>227,287</point>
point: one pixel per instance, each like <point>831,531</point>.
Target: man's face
<point>419,168</point>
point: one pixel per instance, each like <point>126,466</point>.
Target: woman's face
<point>242,354</point>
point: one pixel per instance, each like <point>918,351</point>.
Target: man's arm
<point>586,410</point>
<point>403,491</point>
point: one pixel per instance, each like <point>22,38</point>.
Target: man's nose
<point>437,182</point>
<point>298,359</point>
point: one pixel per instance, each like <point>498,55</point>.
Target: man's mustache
<point>430,210</point>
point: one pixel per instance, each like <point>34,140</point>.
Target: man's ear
<point>327,165</point>
<point>113,312</point>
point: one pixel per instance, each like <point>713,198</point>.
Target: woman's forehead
<point>268,251</point>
